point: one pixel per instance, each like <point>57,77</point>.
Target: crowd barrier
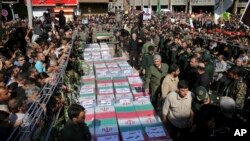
<point>36,111</point>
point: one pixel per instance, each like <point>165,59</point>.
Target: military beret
<point>201,93</point>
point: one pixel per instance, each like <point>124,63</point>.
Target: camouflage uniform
<point>237,90</point>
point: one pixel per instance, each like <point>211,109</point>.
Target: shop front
<point>54,6</point>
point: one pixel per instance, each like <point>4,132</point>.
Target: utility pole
<point>235,7</point>
<point>141,4</point>
<point>30,14</point>
<point>170,5</point>
<point>12,11</point>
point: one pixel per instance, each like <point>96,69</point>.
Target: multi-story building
<point>175,5</point>
<point>93,6</point>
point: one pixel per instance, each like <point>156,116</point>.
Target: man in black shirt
<point>76,129</point>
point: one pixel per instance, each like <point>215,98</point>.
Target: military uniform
<point>156,41</point>
<point>94,32</point>
<point>201,94</point>
<point>210,67</point>
<point>154,78</point>
<point>237,90</point>
<point>147,61</point>
<point>173,53</point>
<point>183,62</point>
<point>83,37</point>
<point>145,47</point>
<point>214,100</point>
<point>118,49</point>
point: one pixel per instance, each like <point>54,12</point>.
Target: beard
<point>176,75</point>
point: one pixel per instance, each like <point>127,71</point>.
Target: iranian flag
<point>158,8</point>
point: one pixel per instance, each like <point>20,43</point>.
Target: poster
<point>53,2</point>
<point>147,13</point>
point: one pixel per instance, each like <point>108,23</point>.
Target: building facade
<point>174,5</point>
<point>93,6</point>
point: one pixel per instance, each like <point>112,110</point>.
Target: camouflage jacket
<point>237,90</point>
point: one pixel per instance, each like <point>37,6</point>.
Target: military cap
<point>201,93</point>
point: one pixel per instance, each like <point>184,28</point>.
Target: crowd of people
<point>196,73</point>
<point>31,58</point>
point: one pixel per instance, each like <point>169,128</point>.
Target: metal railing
<point>36,111</point>
<point>227,42</point>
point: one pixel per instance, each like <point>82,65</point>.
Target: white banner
<point>147,13</point>
<point>202,2</point>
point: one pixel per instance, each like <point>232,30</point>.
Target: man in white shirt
<point>177,112</point>
<point>220,67</point>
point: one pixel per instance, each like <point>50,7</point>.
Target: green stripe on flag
<point>158,8</point>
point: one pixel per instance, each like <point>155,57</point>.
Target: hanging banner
<point>202,2</point>
<point>54,2</point>
<point>147,13</point>
<point>10,1</point>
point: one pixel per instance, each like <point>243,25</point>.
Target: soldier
<point>183,57</point>
<point>83,37</point>
<point>203,78</point>
<point>147,59</point>
<point>215,122</point>
<point>209,66</point>
<point>154,77</point>
<point>174,51</point>
<point>146,45</point>
<point>134,50</point>
<point>94,32</point>
<point>202,97</point>
<point>117,43</point>
<point>156,40</point>
<point>237,88</point>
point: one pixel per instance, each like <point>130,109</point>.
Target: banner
<point>10,1</point>
<point>147,13</point>
<point>245,16</point>
<point>54,2</point>
<point>220,7</point>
